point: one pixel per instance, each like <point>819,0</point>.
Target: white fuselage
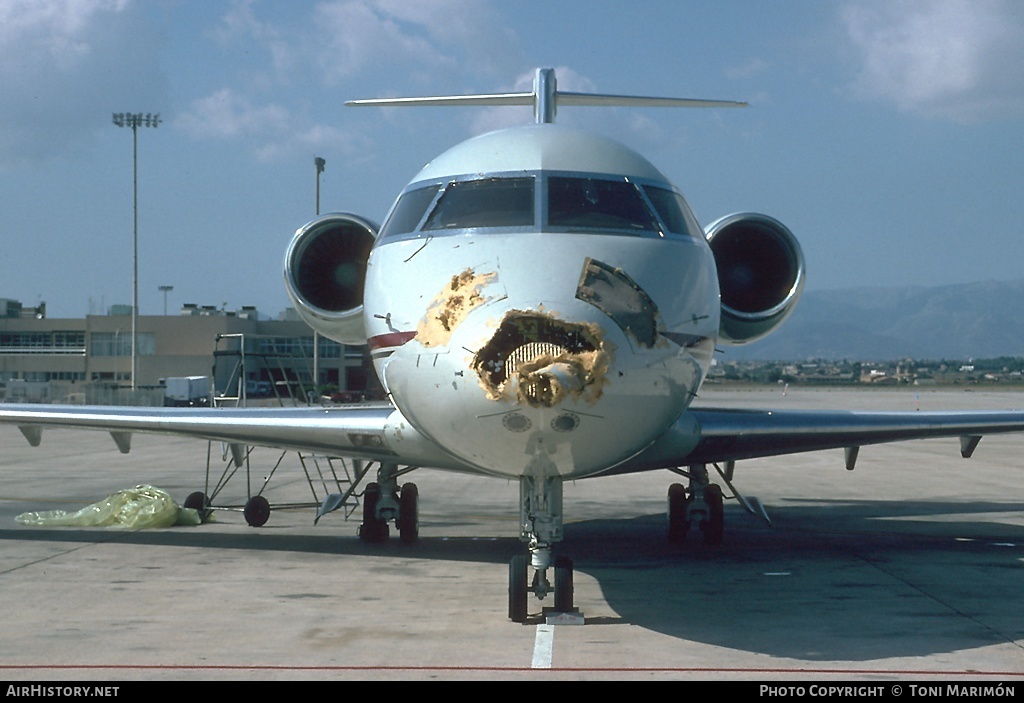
<point>559,346</point>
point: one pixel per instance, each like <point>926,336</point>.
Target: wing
<point>376,432</point>
<point>710,435</point>
<point>379,432</point>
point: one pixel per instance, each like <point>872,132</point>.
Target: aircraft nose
<point>538,360</point>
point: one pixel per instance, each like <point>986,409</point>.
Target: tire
<point>256,511</point>
<point>677,522</point>
<point>563,585</point>
<point>714,526</point>
<point>198,501</point>
<point>373,529</point>
<point>517,588</point>
<point>408,522</point>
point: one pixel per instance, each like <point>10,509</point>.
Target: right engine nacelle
<point>325,271</point>
<point>760,274</point>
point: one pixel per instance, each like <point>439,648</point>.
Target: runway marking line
<point>543,646</point>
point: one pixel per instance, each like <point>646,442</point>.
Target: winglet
<point>545,99</point>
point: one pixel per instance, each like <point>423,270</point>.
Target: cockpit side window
<point>597,204</point>
<point>672,209</point>
<point>409,210</point>
<point>487,202</point>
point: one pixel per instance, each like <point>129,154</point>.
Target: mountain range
<point>954,321</point>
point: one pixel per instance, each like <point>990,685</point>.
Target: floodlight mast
<point>320,165</point>
<point>165,290</point>
<point>134,120</point>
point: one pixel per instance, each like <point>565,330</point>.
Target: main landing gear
<point>696,507</point>
<point>540,525</point>
<point>384,501</point>
<point>700,504</point>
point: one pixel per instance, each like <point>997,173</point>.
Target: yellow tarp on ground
<point>134,508</point>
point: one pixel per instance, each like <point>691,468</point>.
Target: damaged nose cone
<point>536,359</point>
<point>544,382</point>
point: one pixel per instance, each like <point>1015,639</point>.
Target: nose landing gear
<point>540,520</point>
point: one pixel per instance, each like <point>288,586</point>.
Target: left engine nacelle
<point>325,271</point>
<point>760,274</point>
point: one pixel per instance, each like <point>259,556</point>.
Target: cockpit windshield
<point>569,202</point>
<point>409,210</point>
<point>590,203</point>
<point>489,202</point>
<point>672,210</point>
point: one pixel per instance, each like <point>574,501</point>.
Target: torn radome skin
<point>450,307</point>
<point>537,359</point>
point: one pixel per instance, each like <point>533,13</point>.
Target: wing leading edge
<point>713,435</point>
<point>381,433</point>
<point>376,432</point>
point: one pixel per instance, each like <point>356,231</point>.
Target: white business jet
<point>540,304</point>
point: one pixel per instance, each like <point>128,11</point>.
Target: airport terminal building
<point>89,360</point>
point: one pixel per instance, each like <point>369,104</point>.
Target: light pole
<point>135,120</point>
<point>320,164</point>
<point>165,290</point>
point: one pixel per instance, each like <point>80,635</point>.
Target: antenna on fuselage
<point>545,99</point>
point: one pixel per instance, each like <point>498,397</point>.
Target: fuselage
<point>541,301</point>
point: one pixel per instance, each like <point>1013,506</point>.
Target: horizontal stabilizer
<point>545,99</point>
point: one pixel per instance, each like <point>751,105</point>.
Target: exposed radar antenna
<point>545,98</point>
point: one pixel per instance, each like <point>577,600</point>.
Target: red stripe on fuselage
<point>390,339</point>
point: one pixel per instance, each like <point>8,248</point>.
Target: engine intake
<point>760,274</point>
<point>325,271</point>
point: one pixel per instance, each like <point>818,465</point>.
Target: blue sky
<point>888,135</point>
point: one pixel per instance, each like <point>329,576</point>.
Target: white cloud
<point>273,131</point>
<point>355,35</point>
<point>240,28</point>
<point>958,59</point>
<point>65,66</point>
<point>754,67</point>
<point>421,38</point>
<point>226,114</point>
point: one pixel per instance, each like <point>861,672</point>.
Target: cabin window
<point>409,210</point>
<point>671,208</point>
<point>595,204</point>
<point>488,202</point>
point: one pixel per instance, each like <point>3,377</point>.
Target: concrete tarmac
<point>909,567</point>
